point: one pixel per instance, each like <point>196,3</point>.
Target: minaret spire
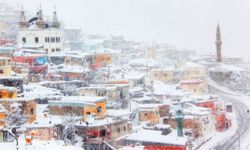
<point>22,22</point>
<point>40,22</point>
<point>218,44</point>
<point>55,22</point>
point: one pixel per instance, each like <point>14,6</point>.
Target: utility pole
<point>108,71</point>
<point>16,137</point>
<point>239,137</point>
<point>190,144</point>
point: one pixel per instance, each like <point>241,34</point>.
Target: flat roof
<point>9,88</point>
<point>154,136</point>
<point>19,99</point>
<point>77,101</point>
<point>70,103</point>
<point>83,98</point>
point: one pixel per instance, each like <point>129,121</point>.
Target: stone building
<point>80,106</point>
<point>37,33</point>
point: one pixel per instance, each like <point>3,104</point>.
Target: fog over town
<point>186,24</point>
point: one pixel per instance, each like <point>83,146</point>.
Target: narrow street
<point>240,109</point>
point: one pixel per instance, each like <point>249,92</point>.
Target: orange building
<point>103,58</point>
<point>8,92</point>
<point>3,115</point>
<point>28,107</point>
<point>149,112</point>
<point>207,104</point>
<point>40,132</point>
<point>80,106</point>
<point>195,86</point>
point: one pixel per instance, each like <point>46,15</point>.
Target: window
<point>1,71</point>
<point>124,128</point>
<point>102,133</point>
<point>53,50</point>
<point>99,109</point>
<point>46,50</point>
<point>52,40</point>
<point>36,40</point>
<point>118,130</point>
<point>32,111</point>
<point>58,49</point>
<point>146,114</point>
<point>11,94</point>
<point>24,39</point>
<point>47,39</point>
<point>88,113</point>
<point>57,39</point>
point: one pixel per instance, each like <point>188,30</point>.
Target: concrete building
<point>5,66</point>
<point>114,93</point>
<point>80,106</point>
<point>165,75</point>
<point>39,34</point>
<point>195,86</point>
<point>149,113</point>
<point>28,106</point>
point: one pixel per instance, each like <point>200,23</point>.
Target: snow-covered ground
<point>245,142</point>
<point>37,145</point>
<point>217,137</point>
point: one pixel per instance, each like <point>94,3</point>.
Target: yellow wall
<point>2,117</point>
<point>5,67</point>
<point>152,116</point>
<point>5,94</point>
<point>104,59</point>
<point>2,26</point>
<point>193,72</point>
<point>93,110</point>
<point>5,71</point>
<point>162,75</point>
<point>196,88</point>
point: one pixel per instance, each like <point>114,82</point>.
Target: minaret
<point>218,44</point>
<point>40,22</point>
<point>23,23</point>
<point>55,22</point>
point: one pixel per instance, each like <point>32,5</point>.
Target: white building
<point>39,34</point>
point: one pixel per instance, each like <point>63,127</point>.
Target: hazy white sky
<point>188,24</point>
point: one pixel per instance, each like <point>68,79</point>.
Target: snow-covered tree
<point>15,115</point>
<point>70,132</point>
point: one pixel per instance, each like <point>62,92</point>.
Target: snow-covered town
<point>63,88</point>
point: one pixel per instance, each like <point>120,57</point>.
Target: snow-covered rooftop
<point>153,136</point>
<point>91,99</point>
<point>35,90</point>
<point>226,68</point>
<point>9,88</point>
